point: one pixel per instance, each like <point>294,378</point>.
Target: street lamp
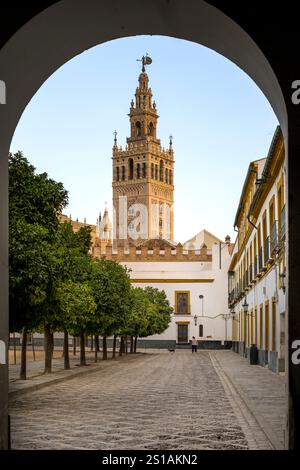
<point>201,297</point>
<point>282,277</point>
<point>245,306</point>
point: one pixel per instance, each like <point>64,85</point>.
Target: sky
<point>219,119</point>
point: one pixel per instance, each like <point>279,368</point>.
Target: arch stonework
<point>69,27</point>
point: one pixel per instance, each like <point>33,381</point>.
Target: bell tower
<point>143,174</point>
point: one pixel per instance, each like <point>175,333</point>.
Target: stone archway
<point>69,27</point>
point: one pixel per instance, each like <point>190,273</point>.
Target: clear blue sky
<point>219,118</point>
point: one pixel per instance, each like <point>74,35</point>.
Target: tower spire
<point>115,138</point>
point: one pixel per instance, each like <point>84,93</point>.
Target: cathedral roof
<point>201,238</point>
<point>160,243</point>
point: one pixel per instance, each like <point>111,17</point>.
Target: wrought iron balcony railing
<point>282,224</point>
<point>273,239</point>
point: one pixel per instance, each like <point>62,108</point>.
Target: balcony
<point>246,277</point>
<point>282,224</point>
<point>267,257</point>
<point>260,260</point>
<point>251,274</point>
<point>273,239</point>
<point>255,266</point>
<point>231,297</point>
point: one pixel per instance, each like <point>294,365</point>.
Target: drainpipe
<point>248,218</point>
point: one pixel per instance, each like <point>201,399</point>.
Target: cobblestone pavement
<point>156,401</point>
<point>262,390</point>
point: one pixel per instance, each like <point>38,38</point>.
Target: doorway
<point>182,333</point>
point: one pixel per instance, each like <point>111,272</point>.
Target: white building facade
<point>257,268</point>
<point>197,291</point>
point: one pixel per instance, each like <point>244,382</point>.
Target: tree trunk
<point>135,343</point>
<point>114,347</point>
<point>23,354</point>
<point>82,348</point>
<point>74,346</point>
<point>52,343</point>
<point>32,343</point>
<point>121,346</point>
<point>131,344</point>
<point>104,348</point>
<point>126,345</point>
<point>92,343</point>
<point>15,350</point>
<point>66,351</point>
<point>48,347</point>
<point>97,343</point>
<point>96,347</point>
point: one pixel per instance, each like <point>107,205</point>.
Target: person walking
<point>194,344</point>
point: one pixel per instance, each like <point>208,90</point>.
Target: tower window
<point>123,173</point>
<point>170,177</point>
<point>138,129</point>
<point>118,174</point>
<point>151,129</point>
<point>138,170</point>
<point>144,170</point>
<point>156,172</point>
<point>161,170</point>
<point>167,175</point>
<point>130,164</point>
<point>152,171</point>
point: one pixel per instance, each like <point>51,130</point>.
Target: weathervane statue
<point>146,60</point>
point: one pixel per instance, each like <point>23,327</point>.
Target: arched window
<point>156,172</point>
<point>138,129</point>
<point>138,170</point>
<point>123,173</point>
<point>167,175</point>
<point>170,177</point>
<point>130,168</point>
<point>152,171</point>
<point>161,170</point>
<point>151,129</point>
<point>144,170</point>
<point>117,173</point>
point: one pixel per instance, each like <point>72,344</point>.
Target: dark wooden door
<point>182,333</point>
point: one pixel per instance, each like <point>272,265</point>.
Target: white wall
<point>215,293</point>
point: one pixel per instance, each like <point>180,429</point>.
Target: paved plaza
<point>158,400</point>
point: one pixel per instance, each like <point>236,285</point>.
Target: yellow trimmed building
<point>256,277</point>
